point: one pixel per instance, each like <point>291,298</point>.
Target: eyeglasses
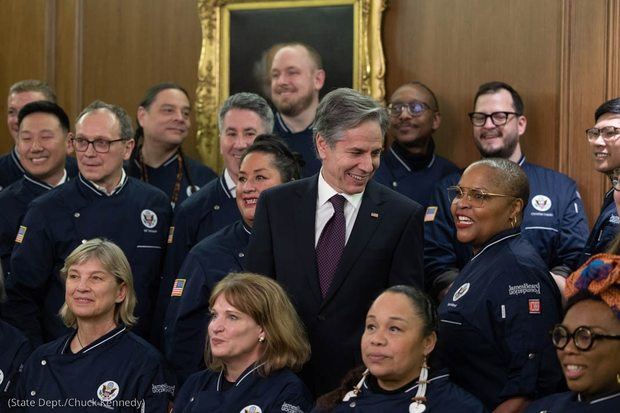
<point>474,196</point>
<point>614,177</point>
<point>415,108</point>
<point>609,133</point>
<point>583,337</point>
<point>498,118</point>
<point>100,145</point>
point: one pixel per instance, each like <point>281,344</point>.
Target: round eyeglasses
<point>415,108</point>
<point>498,118</point>
<point>583,337</point>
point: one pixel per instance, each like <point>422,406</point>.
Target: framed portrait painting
<point>239,38</point>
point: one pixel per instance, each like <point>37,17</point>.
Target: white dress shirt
<point>325,209</point>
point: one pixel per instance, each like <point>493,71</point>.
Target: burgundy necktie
<point>331,244</point>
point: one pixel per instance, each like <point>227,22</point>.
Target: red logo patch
<point>534,306</point>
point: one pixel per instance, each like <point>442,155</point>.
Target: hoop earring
<point>356,390</point>
<point>513,222</point>
<point>618,378</point>
<point>417,402</point>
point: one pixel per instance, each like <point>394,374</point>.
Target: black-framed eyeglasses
<point>476,197</point>
<point>609,133</point>
<point>498,118</point>
<point>583,337</point>
<point>100,145</point>
<point>415,108</point>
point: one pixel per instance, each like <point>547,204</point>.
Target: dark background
<point>254,31</point>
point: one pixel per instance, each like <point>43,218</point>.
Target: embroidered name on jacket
<point>524,289</point>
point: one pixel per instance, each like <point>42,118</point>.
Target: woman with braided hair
<point>399,336</point>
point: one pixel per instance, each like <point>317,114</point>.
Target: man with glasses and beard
<point>410,165</point>
<point>553,221</point>
<point>297,76</point>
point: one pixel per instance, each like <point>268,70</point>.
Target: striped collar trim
<point>493,243</point>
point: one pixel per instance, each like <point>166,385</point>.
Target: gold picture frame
<point>368,62</point>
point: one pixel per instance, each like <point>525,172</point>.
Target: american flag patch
<point>177,287</point>
<point>20,234</point>
<point>429,216</point>
<point>171,235</point>
<point>534,304</point>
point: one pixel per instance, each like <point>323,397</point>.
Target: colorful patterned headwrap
<point>600,276</point>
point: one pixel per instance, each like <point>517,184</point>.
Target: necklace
<point>79,341</point>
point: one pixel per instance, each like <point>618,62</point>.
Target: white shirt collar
<point>325,192</point>
<point>230,183</point>
<point>113,191</point>
<point>63,179</point>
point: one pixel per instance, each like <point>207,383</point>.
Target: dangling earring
<point>417,402</point>
<point>261,339</point>
<point>356,389</point>
<point>513,222</point>
<point>618,378</point>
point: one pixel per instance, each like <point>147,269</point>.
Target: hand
<point>514,405</point>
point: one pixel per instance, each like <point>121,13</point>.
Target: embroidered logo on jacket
<point>107,391</point>
<point>462,290</point>
<point>541,203</point>
<point>149,218</point>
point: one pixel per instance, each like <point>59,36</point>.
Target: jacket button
<point>531,356</point>
<point>43,362</point>
<point>394,184</point>
<point>77,215</point>
<point>32,393</point>
<point>216,207</point>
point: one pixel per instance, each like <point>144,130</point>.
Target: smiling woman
<point>101,359</point>
<point>588,340</point>
<point>495,316</point>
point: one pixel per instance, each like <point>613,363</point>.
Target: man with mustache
<point>297,76</point>
<point>554,220</point>
<point>410,166</point>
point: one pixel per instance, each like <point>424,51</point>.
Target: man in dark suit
<point>337,239</point>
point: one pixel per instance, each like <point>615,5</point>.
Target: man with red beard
<point>297,76</point>
<point>553,221</point>
<point>410,166</point>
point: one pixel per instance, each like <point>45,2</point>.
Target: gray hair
<point>247,101</point>
<point>509,177</point>
<point>33,85</point>
<point>343,109</point>
<point>126,129</point>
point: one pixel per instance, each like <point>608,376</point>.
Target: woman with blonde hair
<point>255,340</point>
<point>100,365</point>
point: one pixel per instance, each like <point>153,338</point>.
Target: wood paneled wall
<point>563,56</point>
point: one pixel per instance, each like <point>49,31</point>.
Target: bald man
<point>410,165</point>
<point>297,76</point>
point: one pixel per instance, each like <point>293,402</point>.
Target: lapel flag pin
<point>374,215</point>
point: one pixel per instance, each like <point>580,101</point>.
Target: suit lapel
<point>367,221</point>
<point>305,218</point>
